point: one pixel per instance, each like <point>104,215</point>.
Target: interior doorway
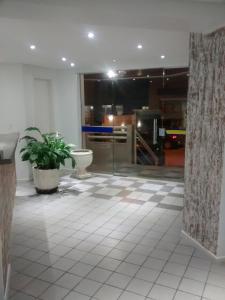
<point>43,106</point>
<point>146,113</point>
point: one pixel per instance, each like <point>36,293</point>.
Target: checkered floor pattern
<point>107,238</point>
<point>166,194</point>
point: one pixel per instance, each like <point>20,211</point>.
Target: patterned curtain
<point>205,137</point>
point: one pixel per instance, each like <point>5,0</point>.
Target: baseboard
<point>197,245</point>
<point>23,179</point>
<point>6,297</point>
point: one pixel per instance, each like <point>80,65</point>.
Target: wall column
<point>204,205</point>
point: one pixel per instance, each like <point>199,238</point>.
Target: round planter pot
<point>46,181</point>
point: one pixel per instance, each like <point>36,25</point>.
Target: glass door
<point>137,122</point>
<point>97,124</point>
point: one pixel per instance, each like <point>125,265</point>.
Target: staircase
<point>145,155</point>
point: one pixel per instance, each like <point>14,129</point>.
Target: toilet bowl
<point>83,159</point>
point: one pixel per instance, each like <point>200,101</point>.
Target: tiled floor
<point>108,238</point>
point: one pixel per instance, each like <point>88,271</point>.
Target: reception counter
<point>8,144</point>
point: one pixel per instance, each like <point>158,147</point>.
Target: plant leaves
<point>49,153</point>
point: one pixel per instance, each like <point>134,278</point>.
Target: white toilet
<point>83,159</point>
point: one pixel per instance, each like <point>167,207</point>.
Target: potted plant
<point>46,153</point>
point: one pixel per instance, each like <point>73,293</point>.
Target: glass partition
<point>140,120</point>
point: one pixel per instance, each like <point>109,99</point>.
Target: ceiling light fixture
<point>162,56</point>
<point>32,47</point>
<point>110,118</point>
<point>72,64</point>
<point>148,75</point>
<point>111,74</point>
<point>63,59</point>
<point>139,124</point>
<point>91,35</point>
<point>114,60</point>
<point>134,79</point>
<point>139,46</point>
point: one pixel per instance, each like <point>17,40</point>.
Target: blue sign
<point>97,129</point>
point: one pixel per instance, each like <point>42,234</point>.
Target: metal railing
<point>147,148</point>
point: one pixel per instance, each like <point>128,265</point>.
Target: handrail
<point>102,137</point>
<point>147,148</point>
<point>146,157</point>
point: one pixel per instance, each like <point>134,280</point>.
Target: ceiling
<point>59,28</point>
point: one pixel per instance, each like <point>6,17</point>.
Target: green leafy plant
<point>47,151</point>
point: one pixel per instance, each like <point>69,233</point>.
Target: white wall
<point>12,106</point>
<point>17,103</point>
<point>68,106</point>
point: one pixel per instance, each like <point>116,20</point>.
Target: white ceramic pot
<point>83,159</point>
<point>46,181</point>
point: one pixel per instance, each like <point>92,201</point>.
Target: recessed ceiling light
<point>72,64</point>
<point>139,46</point>
<point>64,59</point>
<point>91,35</point>
<point>148,75</point>
<point>150,81</point>
<point>134,79</point>
<point>162,56</point>
<point>114,60</point>
<point>167,79</point>
<point>111,74</point>
<point>32,47</point>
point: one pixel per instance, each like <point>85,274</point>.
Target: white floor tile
<point>108,292</point>
<point>109,263</point>
<point>159,292</point>
<point>87,287</point>
<point>216,279</point>
<point>136,259</point>
<point>131,296</point>
<point>154,263</point>
<point>51,275</point>
<point>36,287</point>
<point>68,281</point>
<point>139,286</point>
<point>185,296</point>
<point>99,274</point>
<point>76,296</point>
<point>119,280</point>
<point>81,269</point>
<point>168,280</point>
<point>175,269</point>
<point>196,274</point>
<point>214,292</point>
<point>127,269</point>
<point>191,286</point>
<point>148,274</point>
<point>22,296</point>
<point>64,264</point>
<point>54,293</point>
